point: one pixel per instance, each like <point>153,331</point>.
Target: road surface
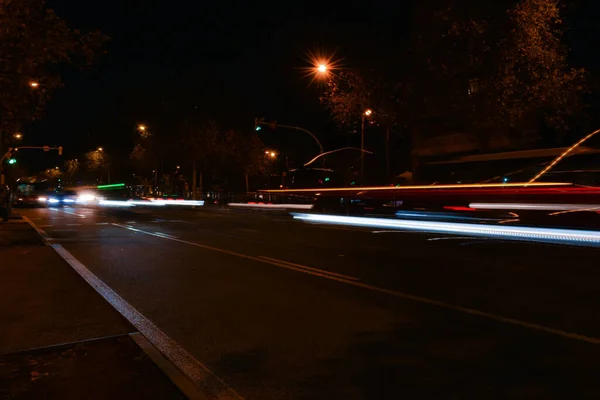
<point>282,309</point>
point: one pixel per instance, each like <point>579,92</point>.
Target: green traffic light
<point>12,160</point>
<point>327,179</point>
<point>258,128</point>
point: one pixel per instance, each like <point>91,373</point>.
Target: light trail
<point>562,236</point>
<point>559,158</point>
<point>273,206</point>
<point>534,206</point>
<point>153,203</point>
<point>422,187</point>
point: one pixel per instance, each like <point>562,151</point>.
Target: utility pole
<point>362,150</point>
<point>365,113</point>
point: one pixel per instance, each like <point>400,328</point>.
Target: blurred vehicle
<point>61,197</point>
<point>28,200</point>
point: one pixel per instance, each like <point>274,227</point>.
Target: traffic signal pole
<point>260,121</point>
<point>12,150</point>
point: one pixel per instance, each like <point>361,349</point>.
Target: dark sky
<point>232,59</point>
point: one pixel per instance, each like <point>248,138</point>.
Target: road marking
<point>309,268</point>
<point>69,212</point>
<point>452,238</point>
<point>40,232</point>
<point>102,223</point>
<point>166,235</point>
<point>197,372</point>
<point>407,296</point>
<point>46,226</point>
<point>73,224</point>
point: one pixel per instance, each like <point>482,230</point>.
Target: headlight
<point>86,197</point>
<point>69,200</point>
<point>42,199</point>
<point>53,200</point>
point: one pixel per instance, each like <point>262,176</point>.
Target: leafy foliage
<point>34,41</point>
<point>497,70</point>
<point>97,160</point>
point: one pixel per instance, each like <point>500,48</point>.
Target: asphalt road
<point>281,309</point>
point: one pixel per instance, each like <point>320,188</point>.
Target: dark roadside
<point>59,338</point>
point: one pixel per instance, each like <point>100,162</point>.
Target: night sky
<point>234,60</point>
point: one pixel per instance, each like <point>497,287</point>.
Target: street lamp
<point>142,127</point>
<point>18,136</point>
<point>100,149</point>
<point>366,114</point>
<point>322,68</point>
<point>34,84</point>
<point>271,154</point>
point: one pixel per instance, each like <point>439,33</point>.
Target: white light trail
<point>533,206</point>
<point>153,203</point>
<point>563,236</point>
<point>273,206</point>
<point>115,203</point>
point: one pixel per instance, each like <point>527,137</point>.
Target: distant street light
<point>142,127</point>
<point>34,84</point>
<point>18,136</point>
<point>271,154</point>
<point>100,149</point>
<point>367,113</point>
<point>322,68</point>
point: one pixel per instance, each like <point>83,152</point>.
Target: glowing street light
<point>34,84</point>
<point>100,149</point>
<point>142,127</point>
<point>271,154</point>
<point>322,68</point>
<point>368,112</point>
<point>18,136</point>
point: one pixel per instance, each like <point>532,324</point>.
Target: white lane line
<point>70,212</point>
<point>73,224</point>
<point>40,232</point>
<point>102,223</point>
<point>453,238</point>
<point>199,373</point>
<point>166,235</point>
<point>310,268</point>
<point>407,296</point>
<point>46,226</point>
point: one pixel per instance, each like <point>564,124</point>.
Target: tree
<point>350,93</point>
<point>245,154</point>
<point>52,173</point>
<point>98,161</point>
<point>200,144</point>
<point>33,42</point>
<point>493,69</point>
<point>71,168</point>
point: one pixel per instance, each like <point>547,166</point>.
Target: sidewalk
<point>59,339</point>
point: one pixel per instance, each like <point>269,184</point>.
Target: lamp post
<point>366,113</point>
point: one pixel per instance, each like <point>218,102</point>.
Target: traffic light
<point>327,179</point>
<point>12,160</point>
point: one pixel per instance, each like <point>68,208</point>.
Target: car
<point>58,198</point>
